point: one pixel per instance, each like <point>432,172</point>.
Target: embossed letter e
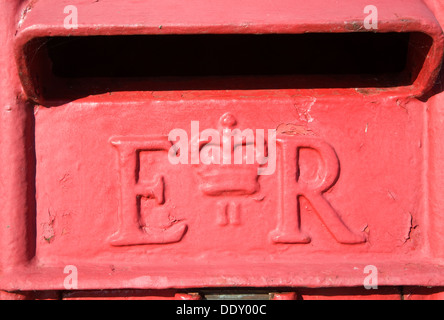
<point>292,188</point>
<point>130,231</point>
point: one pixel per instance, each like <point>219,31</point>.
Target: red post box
<point>159,149</point>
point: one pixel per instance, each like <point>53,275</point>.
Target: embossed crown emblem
<point>231,161</point>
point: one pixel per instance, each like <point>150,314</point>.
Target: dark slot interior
<point>228,55</point>
<point>64,67</point>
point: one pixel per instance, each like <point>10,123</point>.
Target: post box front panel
<point>375,205</point>
<point>347,175</point>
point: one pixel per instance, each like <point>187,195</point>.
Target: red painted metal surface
<point>86,180</point>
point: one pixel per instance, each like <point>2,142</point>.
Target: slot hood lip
<point>419,21</point>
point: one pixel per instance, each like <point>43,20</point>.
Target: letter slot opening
<point>67,68</point>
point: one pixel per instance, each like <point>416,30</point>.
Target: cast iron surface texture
<point>370,173</point>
